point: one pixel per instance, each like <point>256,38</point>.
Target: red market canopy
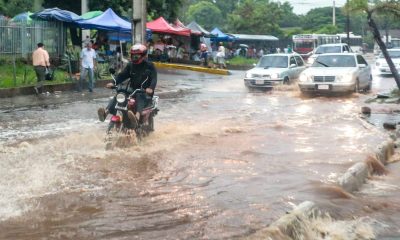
<point>161,26</point>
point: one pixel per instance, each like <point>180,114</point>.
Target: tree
<point>289,18</point>
<point>256,17</point>
<point>379,8</point>
<point>319,17</point>
<point>14,7</point>
<point>205,13</point>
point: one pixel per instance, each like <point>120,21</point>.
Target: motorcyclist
<point>139,71</point>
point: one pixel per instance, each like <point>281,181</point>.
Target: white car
<point>274,69</point>
<point>329,48</point>
<point>339,72</point>
<point>382,65</point>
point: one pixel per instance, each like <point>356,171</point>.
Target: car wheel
<point>357,87</point>
<point>286,81</point>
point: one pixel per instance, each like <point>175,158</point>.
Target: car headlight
<point>344,78</point>
<point>304,78</point>
<point>248,75</point>
<point>120,97</point>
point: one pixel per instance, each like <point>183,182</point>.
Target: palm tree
<point>389,7</point>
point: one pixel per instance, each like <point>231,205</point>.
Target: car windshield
<point>273,62</point>
<point>392,54</point>
<point>328,49</point>
<point>335,61</point>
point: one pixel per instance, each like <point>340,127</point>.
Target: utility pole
<point>139,21</point>
<point>334,14</point>
<point>348,22</point>
<point>84,9</point>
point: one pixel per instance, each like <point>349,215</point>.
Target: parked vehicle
<point>273,69</point>
<point>383,66</point>
<point>329,48</point>
<point>121,131</point>
<point>344,72</point>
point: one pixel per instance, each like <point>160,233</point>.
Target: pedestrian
<point>203,55</point>
<point>221,56</point>
<point>40,62</point>
<point>88,64</point>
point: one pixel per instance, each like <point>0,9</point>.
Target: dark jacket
<point>137,74</point>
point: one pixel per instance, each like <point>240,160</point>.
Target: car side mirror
<point>293,65</point>
<point>362,65</point>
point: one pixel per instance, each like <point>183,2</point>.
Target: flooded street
<point>222,163</point>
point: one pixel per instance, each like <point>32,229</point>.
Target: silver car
<point>273,69</point>
<point>383,66</point>
<point>329,48</point>
<point>338,72</point>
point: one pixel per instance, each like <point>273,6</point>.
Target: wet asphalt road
<point>222,163</point>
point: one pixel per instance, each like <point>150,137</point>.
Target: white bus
<point>355,43</point>
<point>304,44</point>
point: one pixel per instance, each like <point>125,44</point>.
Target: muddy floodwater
<point>222,163</point>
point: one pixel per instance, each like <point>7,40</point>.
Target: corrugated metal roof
<point>255,37</point>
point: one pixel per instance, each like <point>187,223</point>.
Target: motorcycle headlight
<point>248,75</point>
<point>304,78</point>
<point>274,75</point>
<point>120,97</point>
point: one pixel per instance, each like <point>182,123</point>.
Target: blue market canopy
<point>108,21</point>
<point>56,14</point>
<point>219,36</point>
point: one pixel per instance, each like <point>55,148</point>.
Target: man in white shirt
<point>88,64</point>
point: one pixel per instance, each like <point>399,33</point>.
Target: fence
<point>19,39</point>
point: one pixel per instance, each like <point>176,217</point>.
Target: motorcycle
<point>121,131</point>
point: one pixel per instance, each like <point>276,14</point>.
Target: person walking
<point>88,64</point>
<point>40,61</point>
<point>221,56</point>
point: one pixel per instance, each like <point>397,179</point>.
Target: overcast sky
<point>303,6</point>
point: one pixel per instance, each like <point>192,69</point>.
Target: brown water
<point>223,163</point>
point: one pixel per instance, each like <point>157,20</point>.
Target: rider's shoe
<point>101,113</point>
<point>132,119</point>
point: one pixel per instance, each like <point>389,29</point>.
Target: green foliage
<point>261,17</point>
<point>206,14</point>
<point>13,7</point>
<point>319,17</point>
<point>239,60</point>
<point>25,75</point>
<point>328,29</point>
<point>289,18</point>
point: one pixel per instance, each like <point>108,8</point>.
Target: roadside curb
<point>290,226</point>
<point>28,90</point>
<point>192,68</point>
<point>356,175</point>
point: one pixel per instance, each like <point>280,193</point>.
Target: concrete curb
<point>356,175</point>
<point>49,87</point>
<point>192,68</point>
<point>290,226</point>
